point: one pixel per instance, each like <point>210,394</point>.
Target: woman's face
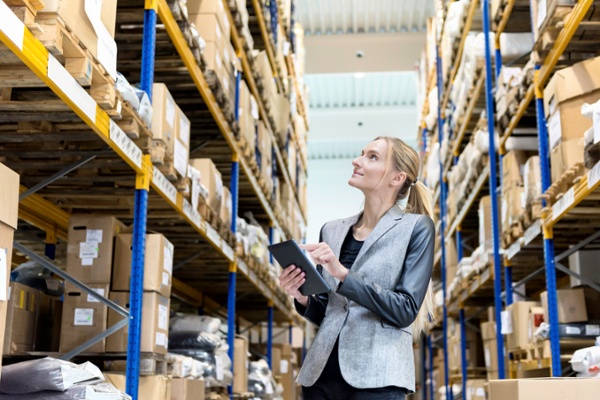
<point>370,172</point>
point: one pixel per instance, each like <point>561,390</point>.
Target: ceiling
<point>360,68</point>
<point>378,89</point>
<point>362,16</point>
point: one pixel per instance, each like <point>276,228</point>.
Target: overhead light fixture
<point>359,75</point>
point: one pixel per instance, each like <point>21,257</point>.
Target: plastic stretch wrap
<point>586,361</point>
<point>126,90</point>
<point>454,19</point>
<point>145,109</point>
<point>197,323</point>
<point>515,45</point>
<point>103,391</point>
<point>433,166</point>
<point>46,374</point>
<point>194,340</point>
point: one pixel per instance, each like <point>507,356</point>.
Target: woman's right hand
<point>290,279</point>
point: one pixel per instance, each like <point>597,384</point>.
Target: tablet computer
<point>288,253</point>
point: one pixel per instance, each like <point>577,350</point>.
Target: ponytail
<point>418,201</point>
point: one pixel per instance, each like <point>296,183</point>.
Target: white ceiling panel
<point>377,89</point>
<point>363,16</point>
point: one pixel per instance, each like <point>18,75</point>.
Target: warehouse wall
<point>329,195</point>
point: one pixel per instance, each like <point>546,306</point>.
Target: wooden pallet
<point>586,39</point>
<point>150,364</point>
<point>564,183</point>
<point>520,355</point>
<point>63,43</point>
<point>159,153</point>
<point>131,123</point>
<point>532,213</point>
<point>512,233</point>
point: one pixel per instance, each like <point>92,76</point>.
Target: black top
<point>350,249</point>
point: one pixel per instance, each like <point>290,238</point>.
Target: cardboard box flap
<point>577,80</point>
<point>9,196</point>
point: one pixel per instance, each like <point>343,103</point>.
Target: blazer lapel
<point>338,234</point>
<point>387,222</point>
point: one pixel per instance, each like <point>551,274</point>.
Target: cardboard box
<point>153,387</point>
<point>584,263</point>
<point>188,389</point>
<point>211,179</point>
<point>564,95</point>
<point>47,323</point>
<point>164,113</point>
<point>519,338</point>
<point>74,15</point>
<point>488,330</point>
<point>240,365</point>
<point>545,388</point>
<point>485,223</point>
<point>571,306</point>
<point>490,351</point>
<point>181,149</point>
<point>282,116</point>
<point>564,157</point>
<point>158,264</point>
<point>155,324</point>
<point>214,7</point>
<point>512,168</point>
<point>19,334</point>
<point>511,206</point>
<point>265,146</point>
<point>226,208</point>
<point>90,247</point>
<point>83,318</point>
<point>213,58</point>
<point>532,180</point>
<point>9,204</point>
<point>209,27</point>
<point>592,299</point>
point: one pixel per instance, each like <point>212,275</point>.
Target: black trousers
<point>331,385</point>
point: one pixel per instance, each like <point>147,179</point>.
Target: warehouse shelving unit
<point>163,208</point>
<point>569,224</point>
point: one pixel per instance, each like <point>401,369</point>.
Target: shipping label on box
<point>82,319</point>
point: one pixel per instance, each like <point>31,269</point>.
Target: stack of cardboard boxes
<point>99,255</point>
<point>564,95</point>
<point>512,207</point>
<point>490,350</point>
<point>158,267</point>
<point>219,197</point>
<point>284,366</point>
<point>90,253</point>
<point>212,23</point>
<point>474,350</point>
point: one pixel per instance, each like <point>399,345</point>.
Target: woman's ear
<point>398,179</point>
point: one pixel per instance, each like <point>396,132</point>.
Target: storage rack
<point>555,227</point>
<point>163,208</point>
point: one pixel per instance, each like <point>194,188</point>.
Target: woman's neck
<point>373,211</point>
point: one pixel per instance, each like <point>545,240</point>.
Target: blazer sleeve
<point>401,305</point>
<point>317,304</point>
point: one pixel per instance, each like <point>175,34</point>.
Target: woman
<point>378,264</point>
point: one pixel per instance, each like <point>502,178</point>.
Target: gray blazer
<point>372,310</point>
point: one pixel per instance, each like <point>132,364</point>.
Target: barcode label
<point>594,176</point>
<point>563,204</point>
<point>192,214</point>
<point>126,145</point>
<point>513,250</point>
<point>532,232</point>
<point>164,186</point>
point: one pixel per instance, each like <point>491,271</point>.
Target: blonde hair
<point>405,159</point>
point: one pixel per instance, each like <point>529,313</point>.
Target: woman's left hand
<point>322,254</point>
